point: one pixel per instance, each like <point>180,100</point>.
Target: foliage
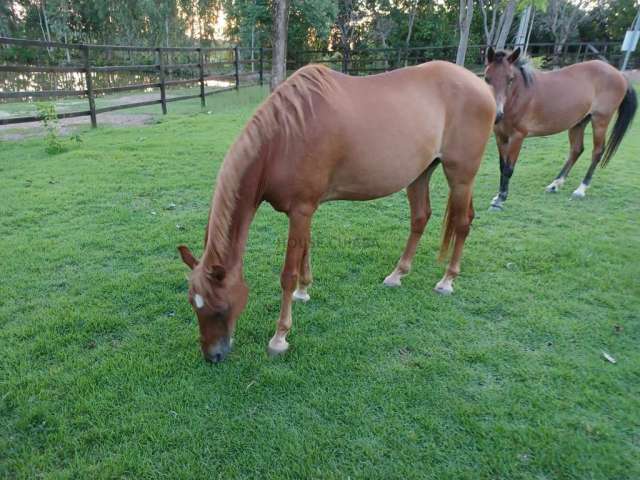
<point>102,376</point>
<point>47,111</point>
<point>314,24</point>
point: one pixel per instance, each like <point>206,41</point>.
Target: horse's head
<point>500,74</point>
<point>218,299</point>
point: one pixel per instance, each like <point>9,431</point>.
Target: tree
<point>413,10</point>
<point>562,19</point>
<point>279,42</point>
<point>349,13</point>
<point>504,25</point>
<point>464,26</point>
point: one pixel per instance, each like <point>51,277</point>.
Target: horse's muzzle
<point>219,351</point>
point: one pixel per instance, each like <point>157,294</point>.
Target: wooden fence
<point>161,61</point>
<point>159,69</point>
<point>374,60</point>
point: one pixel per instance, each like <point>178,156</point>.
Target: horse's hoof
<point>443,289</point>
<point>301,296</point>
<point>551,189</point>
<point>392,281</point>
<point>276,348</point>
<point>495,208</point>
<point>578,195</point>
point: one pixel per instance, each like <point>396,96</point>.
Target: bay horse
<point>531,103</point>
<point>323,136</point>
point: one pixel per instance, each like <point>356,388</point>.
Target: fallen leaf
<point>608,357</point>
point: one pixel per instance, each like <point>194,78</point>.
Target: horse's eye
<point>510,80</point>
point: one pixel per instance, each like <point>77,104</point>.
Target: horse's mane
<point>523,64</point>
<point>284,114</point>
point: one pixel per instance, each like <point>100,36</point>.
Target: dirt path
<point>69,125</point>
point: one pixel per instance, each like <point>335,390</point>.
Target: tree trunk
<point>279,42</point>
<point>489,32</point>
<point>66,49</point>
<point>466,13</point>
<point>506,22</point>
<point>412,18</point>
<point>44,23</point>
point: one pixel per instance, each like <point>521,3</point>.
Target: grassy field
<point>101,375</point>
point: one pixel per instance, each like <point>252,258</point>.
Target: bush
<point>50,119</point>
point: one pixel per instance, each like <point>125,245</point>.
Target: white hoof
<point>277,346</point>
<point>496,204</point>
<point>554,186</point>
<point>392,281</point>
<point>580,192</point>
<point>301,296</point>
<point>444,287</point>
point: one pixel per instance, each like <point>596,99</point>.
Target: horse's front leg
<point>298,242</point>
<point>509,151</point>
<point>304,282</point>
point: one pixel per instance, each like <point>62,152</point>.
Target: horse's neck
<point>522,96</point>
<point>230,218</point>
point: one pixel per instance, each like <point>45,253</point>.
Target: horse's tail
<point>449,230</point>
<point>626,112</point>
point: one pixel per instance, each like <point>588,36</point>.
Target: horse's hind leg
<point>418,193</point>
<point>599,124</point>
<point>576,141</point>
<point>459,217</point>
<point>305,279</point>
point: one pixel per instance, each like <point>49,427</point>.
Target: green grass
<point>101,375</point>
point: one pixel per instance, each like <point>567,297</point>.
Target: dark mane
<point>523,64</point>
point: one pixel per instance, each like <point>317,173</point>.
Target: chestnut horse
<point>531,103</point>
<point>322,136</point>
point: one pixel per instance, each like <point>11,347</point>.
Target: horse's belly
<point>366,180</point>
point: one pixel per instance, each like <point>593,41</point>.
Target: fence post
<point>201,65</point>
<point>89,85</point>
<point>261,67</point>
<point>163,90</point>
<point>236,55</point>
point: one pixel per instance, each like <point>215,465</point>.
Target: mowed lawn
<point>101,375</point>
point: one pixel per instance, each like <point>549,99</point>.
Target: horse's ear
<point>490,54</point>
<point>187,256</point>
<point>514,55</point>
<point>216,272</point>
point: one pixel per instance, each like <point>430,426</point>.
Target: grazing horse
<point>322,136</point>
<point>533,103</point>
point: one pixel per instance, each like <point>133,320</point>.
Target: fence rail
<point>200,71</point>
<point>239,67</point>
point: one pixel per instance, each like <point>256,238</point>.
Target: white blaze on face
<point>199,301</point>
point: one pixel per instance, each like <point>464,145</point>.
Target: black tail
<point>626,112</point>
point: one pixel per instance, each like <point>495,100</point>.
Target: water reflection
<point>75,81</point>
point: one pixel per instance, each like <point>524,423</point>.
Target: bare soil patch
<point>69,125</point>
